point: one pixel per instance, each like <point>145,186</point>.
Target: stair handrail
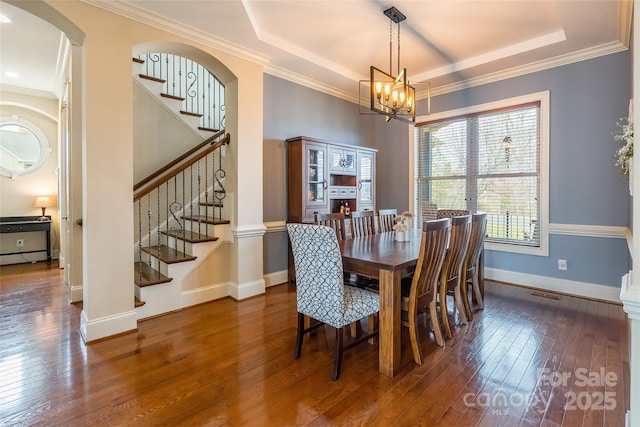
<point>179,159</point>
<point>159,181</point>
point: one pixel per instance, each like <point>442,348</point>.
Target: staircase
<point>179,209</point>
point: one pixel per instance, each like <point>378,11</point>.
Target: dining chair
<point>470,268</point>
<point>450,213</point>
<point>386,219</point>
<point>451,272</point>
<point>362,223</point>
<point>419,293</point>
<point>334,221</point>
<point>320,290</point>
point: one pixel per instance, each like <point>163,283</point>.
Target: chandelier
<point>394,97</point>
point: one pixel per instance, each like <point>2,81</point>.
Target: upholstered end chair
<point>320,290</point>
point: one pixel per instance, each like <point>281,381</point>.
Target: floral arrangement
<point>624,155</point>
<point>402,221</point>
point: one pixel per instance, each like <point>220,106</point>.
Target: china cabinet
<point>323,175</point>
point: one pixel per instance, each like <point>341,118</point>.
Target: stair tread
<point>137,302</point>
<point>166,95</point>
<point>208,129</point>
<point>147,276</point>
<point>138,60</point>
<point>206,219</point>
<point>155,79</point>
<point>214,204</point>
<point>169,255</point>
<point>190,236</point>
<point>189,113</point>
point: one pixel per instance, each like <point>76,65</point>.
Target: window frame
<point>543,99</point>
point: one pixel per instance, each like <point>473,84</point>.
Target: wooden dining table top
<point>382,251</point>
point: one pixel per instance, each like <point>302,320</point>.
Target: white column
<point>630,294</point>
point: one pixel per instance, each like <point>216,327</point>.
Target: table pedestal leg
<point>389,322</point>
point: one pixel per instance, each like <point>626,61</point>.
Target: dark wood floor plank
<point>231,363</point>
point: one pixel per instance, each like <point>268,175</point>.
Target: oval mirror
<point>22,148</point>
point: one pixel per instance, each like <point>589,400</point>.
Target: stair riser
<point>167,297</point>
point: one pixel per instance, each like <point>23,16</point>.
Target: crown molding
<point>558,61</point>
<point>174,27</point>
<point>26,91</point>
<point>285,74</point>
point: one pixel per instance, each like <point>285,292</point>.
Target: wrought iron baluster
<point>149,227</point>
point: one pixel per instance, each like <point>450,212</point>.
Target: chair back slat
<point>433,248</point>
<point>362,223</point>
<point>334,221</point>
<point>476,240</point>
<point>386,219</point>
<point>458,243</point>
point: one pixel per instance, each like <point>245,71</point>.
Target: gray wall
<point>586,100</point>
<point>292,110</point>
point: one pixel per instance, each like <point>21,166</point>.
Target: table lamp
<point>43,202</point>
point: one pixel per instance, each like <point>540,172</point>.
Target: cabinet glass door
<point>349,160</point>
<point>315,178</point>
<point>366,179</point>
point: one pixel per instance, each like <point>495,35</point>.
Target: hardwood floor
<point>525,360</point>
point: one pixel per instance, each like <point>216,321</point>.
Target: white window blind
<point>485,161</point>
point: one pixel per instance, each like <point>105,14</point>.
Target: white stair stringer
<point>167,297</point>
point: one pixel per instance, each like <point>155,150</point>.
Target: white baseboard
<point>205,294</point>
<point>276,278</point>
<point>92,330</point>
<point>572,287</point>
<point>75,293</point>
<point>247,290</point>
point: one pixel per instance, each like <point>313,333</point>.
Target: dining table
<point>381,257</point>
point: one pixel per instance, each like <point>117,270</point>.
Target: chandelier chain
<point>398,49</point>
<point>390,46</point>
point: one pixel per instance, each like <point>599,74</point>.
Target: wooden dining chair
<point>419,293</point>
<point>451,273</point>
<point>471,265</point>
<point>334,221</point>
<point>362,223</point>
<point>450,213</point>
<point>320,291</point>
<point>386,219</point>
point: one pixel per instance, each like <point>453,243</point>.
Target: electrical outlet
<point>20,243</point>
<point>562,264</point>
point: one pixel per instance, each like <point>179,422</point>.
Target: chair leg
<point>477,291</point>
<point>436,323</point>
<point>444,312</point>
<point>372,325</point>
<point>338,354</point>
<point>356,329</point>
<point>415,338</point>
<point>457,299</point>
<point>300,335</point>
<point>465,297</point>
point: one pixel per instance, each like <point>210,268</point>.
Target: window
<point>23,147</point>
<point>491,158</point>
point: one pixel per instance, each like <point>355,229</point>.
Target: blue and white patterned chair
<point>321,293</point>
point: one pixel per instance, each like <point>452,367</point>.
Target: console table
<point>26,224</point>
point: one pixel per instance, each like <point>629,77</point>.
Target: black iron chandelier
<point>394,97</point>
